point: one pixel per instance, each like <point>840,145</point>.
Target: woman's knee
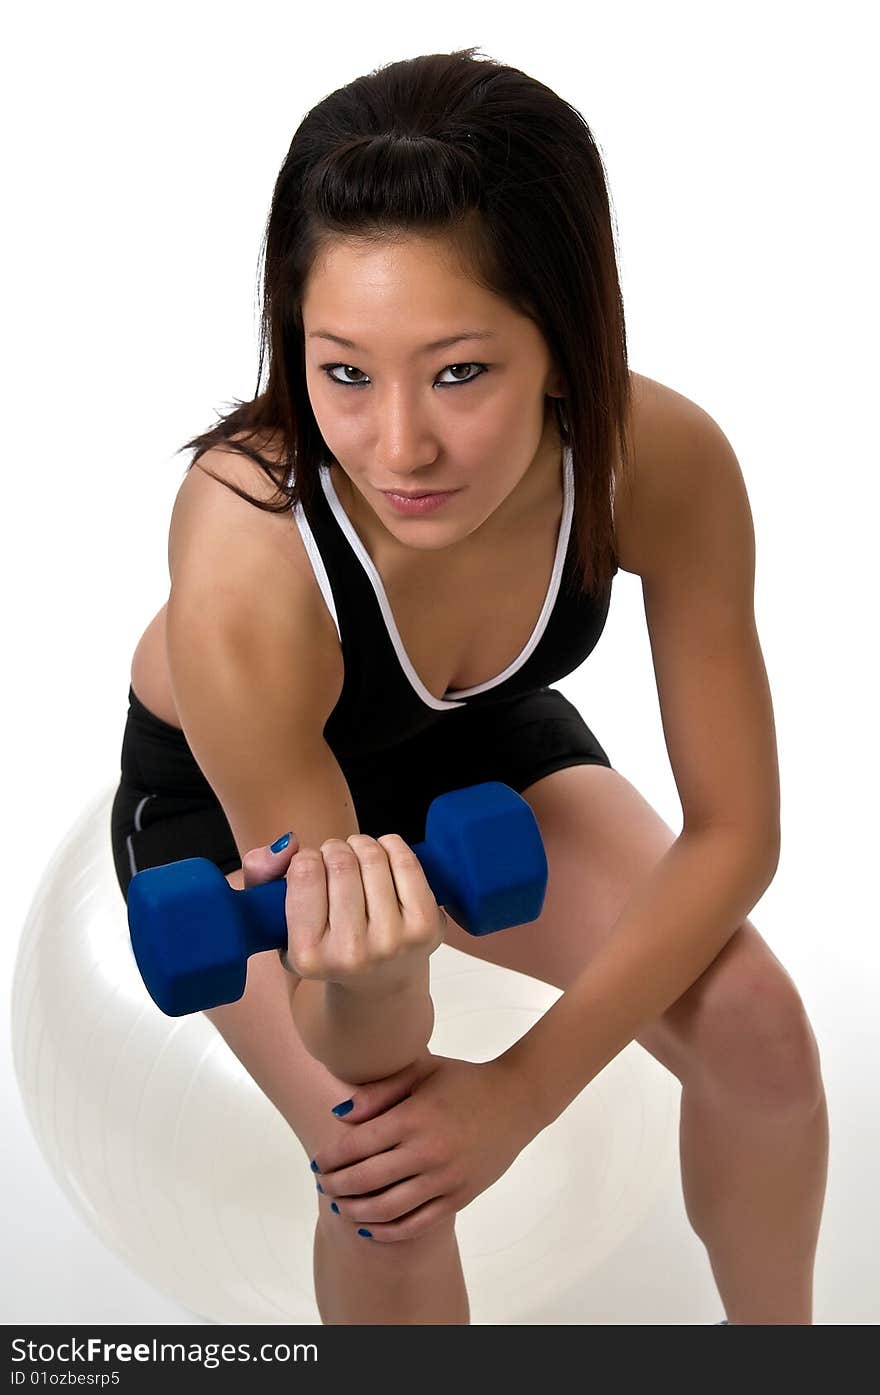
<point>420,1254</point>
<point>749,1031</point>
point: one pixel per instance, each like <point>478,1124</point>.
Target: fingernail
<point>334,1207</point>
<point>314,1166</point>
<point>367,1233</point>
<point>345,1108</point>
<point>320,1188</point>
<point>280,843</point>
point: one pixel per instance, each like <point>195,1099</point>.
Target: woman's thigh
<point>260,1030</point>
<point>164,811</point>
<point>601,839</point>
<point>258,1027</point>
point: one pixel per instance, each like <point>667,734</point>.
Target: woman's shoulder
<point>230,488</point>
<point>246,568</point>
<point>213,513</point>
<point>230,462</point>
<point>659,414</point>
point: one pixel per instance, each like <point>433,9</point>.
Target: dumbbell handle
<point>265,919</point>
<point>265,925</point>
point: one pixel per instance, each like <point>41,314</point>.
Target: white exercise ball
<point>173,1155</point>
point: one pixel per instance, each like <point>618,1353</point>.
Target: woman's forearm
<point>365,1033</point>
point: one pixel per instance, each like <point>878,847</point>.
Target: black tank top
<point>383,700</point>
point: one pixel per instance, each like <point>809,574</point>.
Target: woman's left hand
<point>427,1139</point>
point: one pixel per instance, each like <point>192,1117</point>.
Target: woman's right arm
<point>254,682</point>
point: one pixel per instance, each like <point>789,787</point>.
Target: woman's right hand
<point>359,910</point>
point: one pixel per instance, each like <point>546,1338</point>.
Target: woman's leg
<point>387,1286</point>
<point>162,813</point>
<point>754,1133</point>
<point>356,1282</point>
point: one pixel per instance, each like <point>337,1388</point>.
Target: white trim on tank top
<point>448,701</point>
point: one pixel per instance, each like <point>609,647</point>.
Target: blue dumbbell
<point>192,933</point>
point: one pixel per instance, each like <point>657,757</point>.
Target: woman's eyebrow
<point>426,348</point>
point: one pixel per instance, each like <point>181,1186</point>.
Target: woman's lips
<point>424,503</point>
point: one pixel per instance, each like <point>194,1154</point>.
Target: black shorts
<point>164,809</point>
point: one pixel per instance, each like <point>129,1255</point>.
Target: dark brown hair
<point>508,172</point>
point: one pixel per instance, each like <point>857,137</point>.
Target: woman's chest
<point>463,627</point>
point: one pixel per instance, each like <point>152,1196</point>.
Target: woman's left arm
<point>441,1131</point>
<point>696,553</point>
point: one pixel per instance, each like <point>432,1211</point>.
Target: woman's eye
<point>329,369</point>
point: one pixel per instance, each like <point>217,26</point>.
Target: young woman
<point>443,318</point>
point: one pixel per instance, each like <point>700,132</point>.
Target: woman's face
<point>397,414</point>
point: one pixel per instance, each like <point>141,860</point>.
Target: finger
<point>371,1173</point>
<point>416,898</point>
<point>418,1222</point>
<point>305,908</point>
<point>383,910</point>
<point>378,1097</point>
<point>347,913</point>
<point>390,1204</point>
<point>371,1147</point>
<point>262,865</point>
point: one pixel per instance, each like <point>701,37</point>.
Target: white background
<point>140,151</point>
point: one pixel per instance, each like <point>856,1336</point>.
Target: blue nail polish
<point>334,1207</point>
<point>345,1108</point>
<point>314,1166</point>
<point>364,1231</point>
<point>320,1188</point>
<point>280,843</point>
